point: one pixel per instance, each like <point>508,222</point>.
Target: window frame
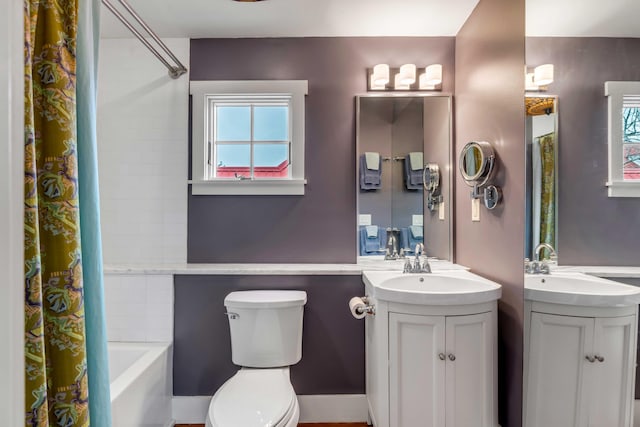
<point>615,92</point>
<point>203,93</point>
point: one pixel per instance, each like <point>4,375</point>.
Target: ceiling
<point>583,18</point>
<point>295,18</point>
<point>326,18</point>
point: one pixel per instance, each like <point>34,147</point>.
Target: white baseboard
<point>313,408</point>
<point>190,409</point>
<point>333,408</point>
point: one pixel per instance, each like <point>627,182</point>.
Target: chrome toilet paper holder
<point>368,308</point>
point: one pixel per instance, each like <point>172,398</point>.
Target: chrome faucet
<point>538,249</point>
<point>391,243</point>
<point>538,266</point>
<point>417,267</point>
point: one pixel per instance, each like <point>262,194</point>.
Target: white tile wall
<point>139,308</point>
<point>143,119</point>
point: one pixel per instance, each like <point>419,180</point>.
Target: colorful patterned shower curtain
<point>55,349</point>
<point>548,196</point>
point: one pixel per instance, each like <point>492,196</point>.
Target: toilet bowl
<point>255,397</point>
<point>266,337</point>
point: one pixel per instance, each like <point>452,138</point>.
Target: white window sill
<point>624,189</point>
<point>258,187</point>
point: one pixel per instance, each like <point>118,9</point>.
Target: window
<point>624,138</point>
<point>631,138</point>
<point>248,137</point>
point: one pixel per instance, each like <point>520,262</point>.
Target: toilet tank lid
<point>265,299</point>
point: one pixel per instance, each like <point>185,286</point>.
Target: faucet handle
<point>426,267</point>
<point>544,267</point>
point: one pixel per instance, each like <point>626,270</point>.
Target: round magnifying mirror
<point>431,178</point>
<point>476,162</point>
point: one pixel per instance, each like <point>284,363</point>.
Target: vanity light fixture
<point>400,83</point>
<point>431,77</point>
<point>379,77</point>
<point>405,78</point>
<point>539,78</point>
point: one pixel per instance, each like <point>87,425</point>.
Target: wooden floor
<point>299,425</point>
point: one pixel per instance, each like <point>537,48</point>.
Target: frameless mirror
<point>579,342</point>
<point>541,171</point>
<point>404,175</point>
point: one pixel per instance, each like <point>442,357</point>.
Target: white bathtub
<point>141,384</point>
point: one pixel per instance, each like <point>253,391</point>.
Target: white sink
<point>579,289</point>
<point>441,288</point>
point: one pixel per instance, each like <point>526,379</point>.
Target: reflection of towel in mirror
<point>373,160</point>
<point>412,178</point>
<point>370,246</point>
<point>372,231</point>
<point>370,179</point>
<point>416,160</point>
<point>415,235</point>
<point>416,231</point>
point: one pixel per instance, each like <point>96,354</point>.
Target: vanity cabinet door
<point>470,371</point>
<point>614,372</point>
<point>556,393</point>
<point>416,371</point>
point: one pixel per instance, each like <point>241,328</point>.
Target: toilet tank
<point>266,327</point>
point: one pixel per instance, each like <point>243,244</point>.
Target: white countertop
<point>271,269</point>
<point>600,271</point>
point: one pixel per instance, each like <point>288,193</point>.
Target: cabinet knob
<point>599,358</point>
<point>441,356</point>
<point>590,358</point>
<point>452,357</point>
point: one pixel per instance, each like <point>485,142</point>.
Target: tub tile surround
<point>139,308</point>
<point>143,128</point>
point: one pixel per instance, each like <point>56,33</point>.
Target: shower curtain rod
<point>175,71</point>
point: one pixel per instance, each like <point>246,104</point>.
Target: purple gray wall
<point>332,340</point>
<point>320,226</point>
<point>593,229</point>
<point>489,106</point>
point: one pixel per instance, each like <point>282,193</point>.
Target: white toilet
<point>266,337</point>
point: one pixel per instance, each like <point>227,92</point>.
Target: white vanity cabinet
<point>432,366</point>
<point>579,365</point>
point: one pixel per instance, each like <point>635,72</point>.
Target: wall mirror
<point>586,350</point>
<point>397,137</point>
<point>541,173</point>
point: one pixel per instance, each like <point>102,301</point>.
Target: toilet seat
<point>255,398</point>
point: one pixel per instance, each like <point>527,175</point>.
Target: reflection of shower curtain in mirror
<point>544,191</point>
